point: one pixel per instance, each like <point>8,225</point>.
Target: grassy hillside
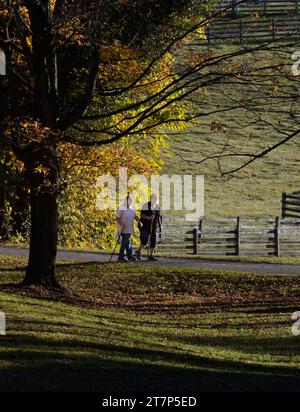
<point>133,329</point>
<point>255,191</point>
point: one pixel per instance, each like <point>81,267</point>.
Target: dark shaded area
<point>50,370</point>
<point>63,375</point>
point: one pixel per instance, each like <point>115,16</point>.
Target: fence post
<point>284,205</point>
<point>265,7</point>
<point>273,30</point>
<point>195,240</point>
<point>234,8</point>
<point>296,6</point>
<point>201,224</point>
<point>241,31</point>
<point>238,236</point>
<point>208,34</point>
<point>277,236</point>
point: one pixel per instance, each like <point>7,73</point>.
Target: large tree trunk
<point>41,268</point>
<point>44,218</point>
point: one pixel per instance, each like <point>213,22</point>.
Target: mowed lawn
<point>134,328</point>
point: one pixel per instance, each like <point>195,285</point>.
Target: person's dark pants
<point>126,246</point>
<point>146,237</point>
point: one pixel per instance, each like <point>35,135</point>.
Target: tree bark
<point>41,268</point>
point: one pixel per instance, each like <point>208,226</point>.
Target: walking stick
<point>150,237</point>
<point>118,241</point>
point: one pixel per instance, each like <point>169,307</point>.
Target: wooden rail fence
<point>253,22</point>
<point>251,31</point>
<point>232,237</point>
<point>264,7</point>
<point>291,205</point>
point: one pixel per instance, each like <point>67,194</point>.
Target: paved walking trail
<point>243,267</point>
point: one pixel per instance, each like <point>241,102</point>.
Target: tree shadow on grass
<point>124,377</point>
<point>51,368</point>
<point>207,307</point>
<point>47,370</point>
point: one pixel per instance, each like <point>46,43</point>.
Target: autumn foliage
<point>91,86</point>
